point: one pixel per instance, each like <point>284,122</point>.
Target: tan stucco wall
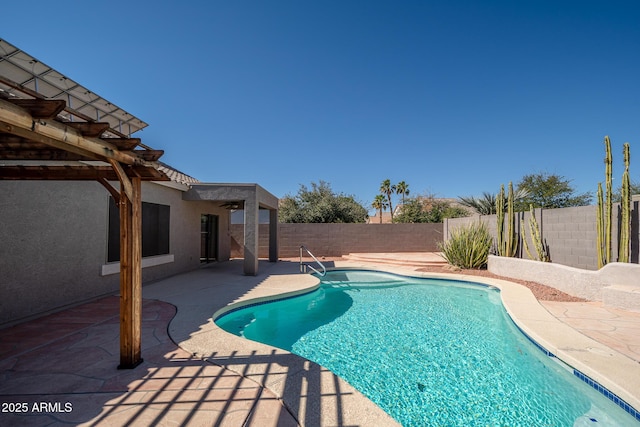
<point>54,243</point>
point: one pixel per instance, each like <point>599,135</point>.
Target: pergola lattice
<point>52,128</point>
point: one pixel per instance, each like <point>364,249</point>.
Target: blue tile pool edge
<point>585,378</point>
<point>609,395</point>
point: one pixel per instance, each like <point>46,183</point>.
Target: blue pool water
<point>429,352</point>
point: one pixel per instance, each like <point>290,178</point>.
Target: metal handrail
<point>303,266</point>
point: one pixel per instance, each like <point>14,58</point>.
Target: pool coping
<point>592,362</point>
<point>606,370</point>
<point>311,393</point>
<point>277,370</point>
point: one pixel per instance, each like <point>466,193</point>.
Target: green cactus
<point>511,238</point>
<point>604,211</point>
<point>624,248</point>
<point>600,228</point>
<point>507,245</point>
<point>500,221</point>
<point>542,250</point>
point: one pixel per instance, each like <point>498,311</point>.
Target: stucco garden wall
<point>616,284</point>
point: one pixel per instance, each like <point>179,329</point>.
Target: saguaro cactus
<point>500,221</point>
<point>542,250</point>
<point>624,249</point>
<point>604,211</point>
<point>511,238</point>
<point>506,244</point>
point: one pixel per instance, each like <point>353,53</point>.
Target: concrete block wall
<point>334,240</point>
<point>571,236</point>
<point>570,233</point>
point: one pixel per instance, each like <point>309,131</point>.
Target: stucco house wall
<point>53,250</point>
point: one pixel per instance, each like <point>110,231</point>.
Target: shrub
<point>468,247</point>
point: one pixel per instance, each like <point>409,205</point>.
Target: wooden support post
<point>130,274</point>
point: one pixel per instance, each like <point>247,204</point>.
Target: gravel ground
<point>540,291</point>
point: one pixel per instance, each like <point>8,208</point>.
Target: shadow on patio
<point>309,390</point>
<point>61,369</point>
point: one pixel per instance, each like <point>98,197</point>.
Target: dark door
<point>208,238</point>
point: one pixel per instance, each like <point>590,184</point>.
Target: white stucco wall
<point>616,284</point>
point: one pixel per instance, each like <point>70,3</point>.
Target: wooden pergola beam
<point>18,121</point>
<point>75,173</point>
<point>32,136</point>
<point>13,147</point>
<point>39,154</point>
<point>28,131</point>
<point>90,129</point>
<point>41,108</point>
<point>149,155</point>
<point>124,144</point>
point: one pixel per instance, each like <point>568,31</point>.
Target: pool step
<point>414,259</point>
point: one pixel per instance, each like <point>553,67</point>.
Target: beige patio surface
<point>196,374</point>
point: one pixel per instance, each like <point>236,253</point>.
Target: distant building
<point>386,218</point>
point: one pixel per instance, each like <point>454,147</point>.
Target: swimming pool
<point>427,351</point>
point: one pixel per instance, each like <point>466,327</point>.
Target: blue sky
<point>453,97</point>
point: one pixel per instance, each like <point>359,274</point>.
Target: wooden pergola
<point>43,138</point>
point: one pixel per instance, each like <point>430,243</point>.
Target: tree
<point>380,204</point>
<point>549,191</point>
<point>486,205</point>
<point>438,210</point>
<point>412,212</point>
<point>387,190</point>
<point>320,205</point>
<point>402,188</point>
<point>428,209</point>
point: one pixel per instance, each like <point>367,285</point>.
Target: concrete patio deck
<point>65,363</point>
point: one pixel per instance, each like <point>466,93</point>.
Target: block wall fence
<point>570,233</point>
<point>335,240</point>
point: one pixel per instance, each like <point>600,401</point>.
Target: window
<point>155,230</point>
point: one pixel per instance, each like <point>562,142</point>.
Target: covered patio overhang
<point>251,198</point>
<point>52,128</point>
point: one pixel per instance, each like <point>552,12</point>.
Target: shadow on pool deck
<point>61,368</point>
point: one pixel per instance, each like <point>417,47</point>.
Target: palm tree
<point>380,203</point>
<point>387,190</point>
<point>403,189</point>
<point>486,205</point>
